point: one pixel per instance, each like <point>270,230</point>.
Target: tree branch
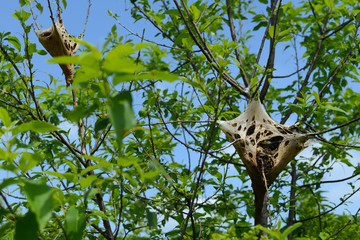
<point>233,36</point>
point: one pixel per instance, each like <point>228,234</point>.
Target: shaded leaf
<point>26,227</point>
<point>121,114</point>
<point>41,201</point>
<point>75,223</point>
<point>151,218</point>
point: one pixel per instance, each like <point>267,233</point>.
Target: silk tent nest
<point>264,146</point>
<point>58,42</point>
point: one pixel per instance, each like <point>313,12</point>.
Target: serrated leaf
<point>29,160</point>
<point>22,2</point>
<point>297,109</point>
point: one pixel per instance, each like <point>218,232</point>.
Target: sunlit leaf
<point>36,126</point>
<point>15,42</point>
<point>5,118</point>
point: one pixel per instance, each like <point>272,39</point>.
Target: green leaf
<point>39,7</point>
<point>80,112</point>
<point>75,223</point>
<point>21,15</point>
<point>334,108</point>
<point>87,181</point>
<point>159,75</point>
<point>22,2</point>
<point>317,97</point>
<point>151,218</point>
<point>65,60</point>
<point>9,181</point>
<point>101,124</point>
<point>35,126</point>
<point>26,227</point>
<point>118,60</point>
<point>323,235</point>
<point>5,118</point>
<point>114,63</point>
<point>64,2</point>
<point>41,52</point>
<point>274,233</point>
<point>29,160</point>
<point>271,31</point>
<point>121,114</point>
<point>330,4</point>
<point>290,229</point>
<point>15,42</point>
<point>41,201</point>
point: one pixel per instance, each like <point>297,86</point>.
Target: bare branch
<point>271,58</point>
<point>341,26</point>
<point>87,17</point>
<point>233,36</point>
<point>334,128</point>
<point>339,67</point>
<point>291,74</point>
<point>141,37</point>
<point>205,49</point>
<point>262,43</point>
<point>329,181</point>
<point>308,74</point>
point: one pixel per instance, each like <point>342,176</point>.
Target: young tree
<point>149,159</point>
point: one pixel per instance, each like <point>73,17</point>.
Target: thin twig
<point>142,37</point>
<point>262,44</point>
<point>309,72</point>
<point>233,36</point>
<point>33,15</point>
<point>332,129</point>
<point>291,74</point>
<point>177,121</point>
<point>86,20</point>
<point>329,181</point>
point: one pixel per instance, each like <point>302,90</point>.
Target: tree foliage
<point>132,149</point>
